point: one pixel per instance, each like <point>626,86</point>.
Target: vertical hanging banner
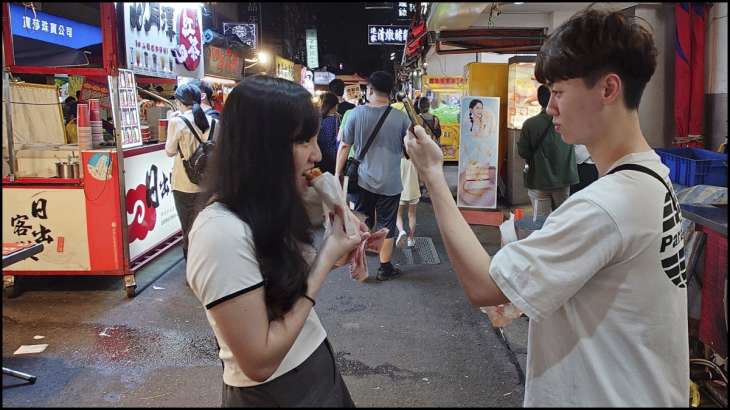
<point>164,39</point>
<point>312,51</point>
<point>478,151</point>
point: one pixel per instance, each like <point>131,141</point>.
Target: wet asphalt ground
<point>411,342</point>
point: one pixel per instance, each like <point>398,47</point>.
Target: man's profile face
<point>576,110</point>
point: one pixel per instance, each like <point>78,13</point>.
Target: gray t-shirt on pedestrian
<point>379,171</point>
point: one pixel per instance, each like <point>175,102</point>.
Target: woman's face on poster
<point>477,111</point>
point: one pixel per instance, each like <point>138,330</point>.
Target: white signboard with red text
<point>55,218</point>
<point>164,39</point>
<point>150,207</point>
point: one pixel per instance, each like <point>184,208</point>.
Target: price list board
<point>130,123</point>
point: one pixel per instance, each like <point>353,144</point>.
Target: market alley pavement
<point>412,341</point>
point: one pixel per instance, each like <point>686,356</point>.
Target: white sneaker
<point>411,242</point>
<point>401,241</point>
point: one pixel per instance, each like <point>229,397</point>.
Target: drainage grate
<point>424,253</point>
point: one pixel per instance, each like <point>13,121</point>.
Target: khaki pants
<point>556,196</point>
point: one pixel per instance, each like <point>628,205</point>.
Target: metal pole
<point>9,124</point>
<point>116,117</point>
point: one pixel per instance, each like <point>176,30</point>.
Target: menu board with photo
<point>164,39</point>
<point>129,121</point>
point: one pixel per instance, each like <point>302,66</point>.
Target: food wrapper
<point>332,195</point>
<point>508,231</point>
<point>358,264</point>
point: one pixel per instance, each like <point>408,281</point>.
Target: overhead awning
<point>494,40</point>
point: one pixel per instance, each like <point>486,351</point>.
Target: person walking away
<point>252,263</point>
<point>327,138</point>
<point>379,173</point>
<point>180,143</point>
<point>352,197</point>
<point>551,168</point>
<point>604,280</point>
<point>337,87</point>
<point>206,99</point>
<point>587,171</point>
<point>398,104</point>
<point>409,199</point>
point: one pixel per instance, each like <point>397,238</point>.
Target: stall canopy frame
<point>109,48</point>
<point>493,40</point>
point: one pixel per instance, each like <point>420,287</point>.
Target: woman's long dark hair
<point>329,101</point>
<point>252,173</point>
<point>473,104</point>
<point>189,95</point>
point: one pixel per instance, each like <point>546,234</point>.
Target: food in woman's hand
<point>312,174</point>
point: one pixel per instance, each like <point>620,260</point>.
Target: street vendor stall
<point>115,213</point>
<point>445,93</point>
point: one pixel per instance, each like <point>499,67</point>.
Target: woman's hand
<point>425,154</point>
<point>336,243</point>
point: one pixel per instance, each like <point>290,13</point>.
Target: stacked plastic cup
<point>83,126</point>
<point>97,131</point>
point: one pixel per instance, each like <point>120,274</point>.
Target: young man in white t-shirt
<point>604,280</point>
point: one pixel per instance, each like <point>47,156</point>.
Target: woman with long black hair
<point>252,263</point>
<point>327,138</point>
<point>181,142</point>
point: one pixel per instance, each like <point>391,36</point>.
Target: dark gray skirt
<point>314,383</point>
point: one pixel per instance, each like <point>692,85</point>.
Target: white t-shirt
<point>604,285</point>
<point>222,265</point>
<point>582,155</point>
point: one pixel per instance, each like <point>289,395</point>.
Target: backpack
<point>195,165</point>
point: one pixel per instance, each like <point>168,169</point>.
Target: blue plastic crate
<point>695,166</point>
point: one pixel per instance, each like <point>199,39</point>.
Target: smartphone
<point>415,118</point>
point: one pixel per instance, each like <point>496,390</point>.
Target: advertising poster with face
<point>478,152</point>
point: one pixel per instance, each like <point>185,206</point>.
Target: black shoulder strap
<point>211,134</point>
<point>645,170</point>
<point>374,134</point>
<point>192,129</point>
<point>428,124</point>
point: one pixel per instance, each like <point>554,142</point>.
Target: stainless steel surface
<point>157,97</point>
<point>712,217</point>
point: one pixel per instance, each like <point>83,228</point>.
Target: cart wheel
<point>131,291</point>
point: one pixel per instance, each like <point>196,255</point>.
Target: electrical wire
<point>711,365</point>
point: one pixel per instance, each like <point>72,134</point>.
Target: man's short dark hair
<point>543,95</point>
<point>594,43</point>
<point>381,81</point>
<point>337,87</point>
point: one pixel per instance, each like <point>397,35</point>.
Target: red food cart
<point>117,214</point>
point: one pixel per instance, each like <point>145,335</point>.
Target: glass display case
<point>521,91</point>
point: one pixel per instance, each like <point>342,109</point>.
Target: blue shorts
<point>380,209</point>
